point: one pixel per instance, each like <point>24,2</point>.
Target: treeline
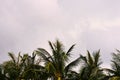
<point>56,65</point>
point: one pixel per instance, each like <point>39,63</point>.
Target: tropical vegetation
<point>58,64</point>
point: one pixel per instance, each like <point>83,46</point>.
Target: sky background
<point>26,25</point>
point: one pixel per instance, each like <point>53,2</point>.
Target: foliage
<point>115,78</point>
<point>56,61</point>
<point>57,65</point>
<point>90,69</point>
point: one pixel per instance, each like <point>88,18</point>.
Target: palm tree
<point>56,62</point>
<point>114,73</point>
<point>116,63</point>
<point>32,69</point>
<point>91,67</point>
<point>24,67</point>
<point>12,68</point>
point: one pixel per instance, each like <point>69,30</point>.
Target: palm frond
<point>70,49</point>
<point>83,58</point>
<point>42,55</point>
<point>73,64</point>
<point>59,46</point>
<point>116,57</point>
<point>82,72</point>
<point>18,58</point>
<point>41,50</point>
<point>50,67</point>
<point>12,57</point>
<point>96,57</point>
<point>89,57</point>
<point>51,46</point>
<point>33,57</point>
<point>118,50</point>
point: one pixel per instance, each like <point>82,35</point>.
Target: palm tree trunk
<point>59,78</point>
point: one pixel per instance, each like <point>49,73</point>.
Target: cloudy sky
<point>28,24</point>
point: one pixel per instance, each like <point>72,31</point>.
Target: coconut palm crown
<point>90,69</point>
<point>56,62</point>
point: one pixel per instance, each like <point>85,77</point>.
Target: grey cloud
<point>106,9</point>
<point>26,25</point>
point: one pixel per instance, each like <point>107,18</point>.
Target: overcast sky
<point>26,25</point>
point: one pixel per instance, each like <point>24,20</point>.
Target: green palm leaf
<point>72,64</point>
<point>70,49</point>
